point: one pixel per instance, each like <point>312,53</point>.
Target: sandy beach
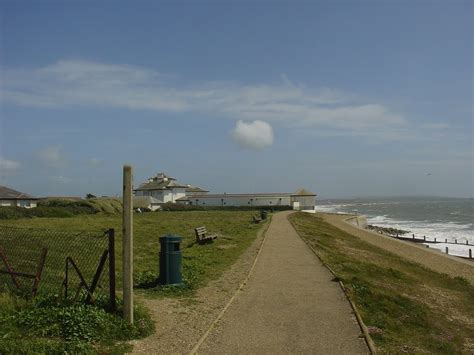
<point>429,258</point>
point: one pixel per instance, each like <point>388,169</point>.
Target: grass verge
<point>406,307</point>
<point>47,325</point>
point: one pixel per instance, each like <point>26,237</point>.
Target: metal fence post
<point>112,298</point>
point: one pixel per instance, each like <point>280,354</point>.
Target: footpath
<point>289,305</point>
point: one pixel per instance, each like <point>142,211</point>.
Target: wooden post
<point>424,238</point>
<point>446,240</point>
<point>470,253</point>
<point>447,250</point>
<point>435,240</point>
<point>127,244</point>
<point>413,236</point>
<point>455,241</point>
<point>112,296</point>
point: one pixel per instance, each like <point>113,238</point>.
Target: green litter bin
<point>170,260</point>
<point>263,214</point>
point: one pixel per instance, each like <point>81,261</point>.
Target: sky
<point>343,98</point>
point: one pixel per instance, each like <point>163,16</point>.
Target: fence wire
<point>24,250</point>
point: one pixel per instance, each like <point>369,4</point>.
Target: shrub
<point>49,325</point>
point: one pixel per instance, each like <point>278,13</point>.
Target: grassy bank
<point>407,307</point>
<point>201,263</point>
<point>24,323</point>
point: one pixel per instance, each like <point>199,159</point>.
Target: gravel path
<point>289,305</point>
<point>180,323</point>
<point>429,258</point>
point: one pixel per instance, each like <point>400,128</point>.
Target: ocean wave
<point>449,231</point>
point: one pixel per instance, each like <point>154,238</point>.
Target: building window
<point>24,203</point>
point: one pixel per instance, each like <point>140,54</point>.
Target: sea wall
<point>359,221</point>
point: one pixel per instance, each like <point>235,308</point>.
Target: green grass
<point>47,325</point>
<point>201,263</point>
<point>408,308</point>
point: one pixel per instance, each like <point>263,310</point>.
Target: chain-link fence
<point>75,265</point>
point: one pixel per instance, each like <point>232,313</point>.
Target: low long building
<point>13,198</point>
<point>299,200</point>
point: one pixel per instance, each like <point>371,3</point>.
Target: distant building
<point>13,198</point>
<point>166,189</point>
<point>303,200</point>
<point>146,203</point>
<point>299,200</point>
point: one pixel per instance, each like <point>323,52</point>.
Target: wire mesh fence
<point>76,265</point>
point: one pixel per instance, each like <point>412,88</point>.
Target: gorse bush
<point>60,208</point>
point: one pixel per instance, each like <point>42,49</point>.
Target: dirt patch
<point>180,323</point>
<point>226,246</point>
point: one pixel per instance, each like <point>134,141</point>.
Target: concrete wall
<point>303,202</point>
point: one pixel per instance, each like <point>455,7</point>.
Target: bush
<point>49,325</point>
<point>60,208</point>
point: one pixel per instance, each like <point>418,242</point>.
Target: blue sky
<point>367,98</point>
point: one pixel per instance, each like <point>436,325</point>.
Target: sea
<point>450,219</point>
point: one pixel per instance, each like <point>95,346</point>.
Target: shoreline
<point>416,252</point>
<point>451,247</point>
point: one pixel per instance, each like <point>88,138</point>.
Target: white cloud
<point>72,83</point>
<point>8,166</point>
<point>51,156</point>
<point>253,135</point>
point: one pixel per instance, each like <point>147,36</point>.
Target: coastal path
<point>288,305</point>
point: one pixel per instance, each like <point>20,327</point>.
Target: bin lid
<point>171,238</point>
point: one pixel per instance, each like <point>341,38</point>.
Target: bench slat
<point>201,235</point>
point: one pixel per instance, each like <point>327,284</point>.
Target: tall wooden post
<point>127,243</point>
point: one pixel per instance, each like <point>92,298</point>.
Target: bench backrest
<point>200,231</point>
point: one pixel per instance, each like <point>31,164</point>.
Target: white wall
<point>178,193</point>
<point>19,203</point>
<point>255,200</point>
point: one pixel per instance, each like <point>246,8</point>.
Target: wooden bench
<point>202,236</point>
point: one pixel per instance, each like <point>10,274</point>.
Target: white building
<point>166,189</point>
<point>163,189</point>
<point>146,203</point>
<point>299,200</point>
<point>13,198</point>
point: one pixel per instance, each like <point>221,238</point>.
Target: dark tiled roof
<point>191,188</point>
<point>184,198</point>
<point>10,194</point>
<point>160,185</point>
